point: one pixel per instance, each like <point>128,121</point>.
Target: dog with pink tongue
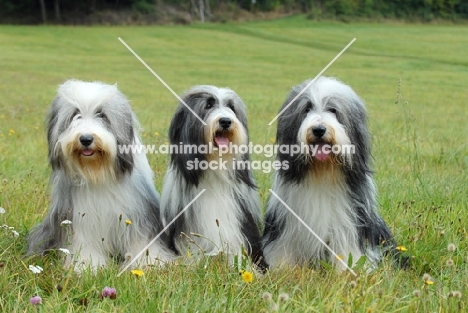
<point>226,217</point>
<point>329,186</point>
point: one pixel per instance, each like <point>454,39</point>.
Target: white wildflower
<point>66,251</point>
<point>36,269</point>
<point>66,222</point>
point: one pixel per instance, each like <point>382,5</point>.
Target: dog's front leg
<point>155,255</point>
<point>86,256</point>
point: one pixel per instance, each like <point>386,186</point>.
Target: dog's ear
<point>356,127</point>
<point>52,134</point>
<point>124,161</point>
<point>185,128</point>
<point>125,136</point>
<point>240,111</point>
<point>238,106</point>
<point>177,123</point>
<point>289,123</point>
<point>291,119</point>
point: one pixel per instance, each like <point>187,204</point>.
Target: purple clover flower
<point>109,292</point>
<point>35,300</point>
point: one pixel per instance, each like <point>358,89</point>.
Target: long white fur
<point>324,206</point>
<point>217,203</point>
<point>96,216</point>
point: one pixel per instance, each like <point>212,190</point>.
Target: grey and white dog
<point>329,184</point>
<point>105,191</point>
<point>226,217</point>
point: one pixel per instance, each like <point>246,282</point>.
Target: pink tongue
<point>221,141</point>
<point>87,152</point>
<point>320,154</point>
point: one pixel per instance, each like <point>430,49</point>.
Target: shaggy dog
<point>226,217</point>
<point>329,182</point>
<point>104,203</point>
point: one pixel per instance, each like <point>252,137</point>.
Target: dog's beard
<point>319,148</point>
<point>320,156</point>
<point>226,143</point>
<point>322,164</point>
<point>94,164</point>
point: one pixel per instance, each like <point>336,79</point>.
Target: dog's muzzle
<point>225,123</point>
<point>319,131</point>
<point>320,148</point>
<point>222,136</point>
<point>87,140</point>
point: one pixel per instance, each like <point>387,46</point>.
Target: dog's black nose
<point>86,140</point>
<point>225,122</point>
<point>319,131</point>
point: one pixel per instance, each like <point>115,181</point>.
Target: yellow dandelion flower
<point>138,273</point>
<point>401,248</point>
<point>12,131</point>
<point>156,133</point>
<point>128,222</point>
<point>339,257</point>
<point>247,276</point>
<point>272,139</point>
<point>429,282</point>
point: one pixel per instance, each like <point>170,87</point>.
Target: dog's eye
<point>332,110</point>
<point>99,114</point>
<point>210,102</point>
<point>76,114</point>
<point>230,105</point>
<point>308,107</point>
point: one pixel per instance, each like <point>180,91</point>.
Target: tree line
<point>58,11</point>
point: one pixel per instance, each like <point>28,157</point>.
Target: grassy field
<point>413,78</point>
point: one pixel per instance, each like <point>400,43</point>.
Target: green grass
<point>419,144</point>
